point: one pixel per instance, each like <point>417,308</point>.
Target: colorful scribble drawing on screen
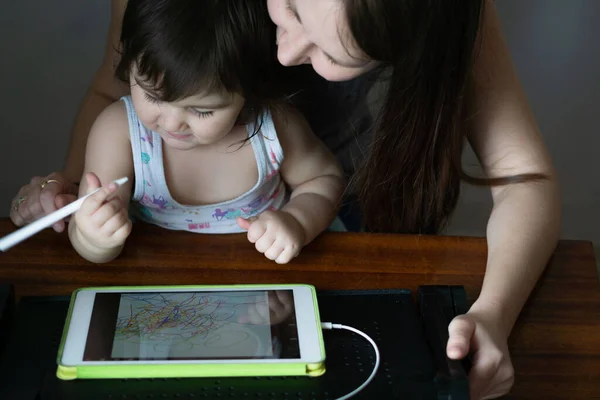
<point>188,325</point>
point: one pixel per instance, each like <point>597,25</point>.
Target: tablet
<point>192,331</point>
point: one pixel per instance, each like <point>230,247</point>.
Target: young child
<point>205,138</point>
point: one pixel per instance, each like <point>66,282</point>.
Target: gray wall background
<point>50,50</point>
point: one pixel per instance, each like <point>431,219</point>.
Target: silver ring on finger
<point>18,202</point>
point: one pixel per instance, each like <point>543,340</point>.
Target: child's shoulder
<point>115,112</point>
<point>113,121</point>
<point>296,138</point>
<point>287,121</point>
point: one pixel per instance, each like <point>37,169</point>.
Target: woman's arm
<point>524,225</point>
<point>105,90</point>
<point>36,199</point>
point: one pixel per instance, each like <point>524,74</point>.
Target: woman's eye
<point>331,61</point>
<point>292,12</point>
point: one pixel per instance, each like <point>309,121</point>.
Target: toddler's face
<point>198,120</point>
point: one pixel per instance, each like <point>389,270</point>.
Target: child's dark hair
<point>185,47</point>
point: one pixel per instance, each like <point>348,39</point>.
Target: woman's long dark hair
<point>410,181</point>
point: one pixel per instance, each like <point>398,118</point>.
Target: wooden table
<point>555,345</point>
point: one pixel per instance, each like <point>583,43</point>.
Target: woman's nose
<point>293,48</point>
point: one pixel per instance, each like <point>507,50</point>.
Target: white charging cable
<point>329,325</point>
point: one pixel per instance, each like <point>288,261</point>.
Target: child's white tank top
<point>152,201</point>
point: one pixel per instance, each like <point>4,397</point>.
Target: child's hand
<point>277,234</point>
<point>103,222</point>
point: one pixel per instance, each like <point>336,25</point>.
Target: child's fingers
<point>286,255</point>
<point>92,181</point>
<point>274,251</point>
<point>264,243</point>
<point>95,201</point>
<point>256,231</point>
<point>116,222</point>
<point>123,232</point>
<point>109,209</point>
<point>245,223</point>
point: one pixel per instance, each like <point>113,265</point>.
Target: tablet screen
<point>250,324</point>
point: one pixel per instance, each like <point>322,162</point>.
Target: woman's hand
<point>41,197</point>
<point>32,201</point>
<point>481,335</point>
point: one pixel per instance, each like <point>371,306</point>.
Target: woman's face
<point>316,32</point>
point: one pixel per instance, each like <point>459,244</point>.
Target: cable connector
<point>329,326</point>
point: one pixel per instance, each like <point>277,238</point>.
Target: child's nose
<point>172,120</point>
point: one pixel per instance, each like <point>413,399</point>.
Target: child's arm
<point>99,229</point>
<point>311,171</point>
<point>317,183</point>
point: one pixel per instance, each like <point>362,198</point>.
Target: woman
<point>449,77</point>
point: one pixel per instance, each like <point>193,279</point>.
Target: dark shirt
<point>336,111</point>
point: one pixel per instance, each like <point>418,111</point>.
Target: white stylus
<point>27,231</point>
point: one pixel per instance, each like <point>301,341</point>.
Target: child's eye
<point>150,98</point>
<point>201,114</point>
